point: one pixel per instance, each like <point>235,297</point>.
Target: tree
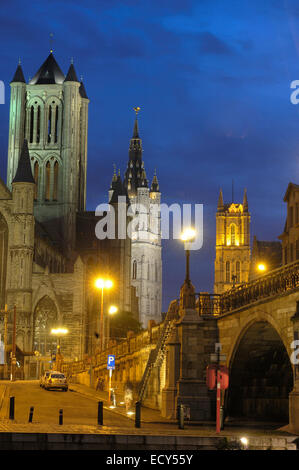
<point>121,323</point>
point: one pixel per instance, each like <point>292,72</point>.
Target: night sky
<point>213,83</point>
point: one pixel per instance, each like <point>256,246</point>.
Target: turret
<point>16,122</point>
<point>19,291</point>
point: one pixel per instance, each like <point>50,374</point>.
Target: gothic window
<point>47,187</point>
<point>148,271</point>
<point>35,171</point>
<point>227,271</point>
<point>56,124</point>
<point>38,126</point>
<point>45,318</point>
<point>49,124</point>
<point>31,124</point>
<point>134,270</point>
<point>233,234</point>
<point>238,272</point>
<point>55,185</point>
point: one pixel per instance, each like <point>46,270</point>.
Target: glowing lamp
<point>188,235</point>
<point>261,267</point>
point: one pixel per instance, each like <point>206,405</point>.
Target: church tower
<point>232,244</point>
<point>146,261</point>
<point>51,113</point>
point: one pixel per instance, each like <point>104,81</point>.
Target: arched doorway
<point>45,318</point>
<point>261,376</point>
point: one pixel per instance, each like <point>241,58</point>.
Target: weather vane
<point>137,109</point>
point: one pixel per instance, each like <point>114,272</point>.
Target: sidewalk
<point>148,415</point>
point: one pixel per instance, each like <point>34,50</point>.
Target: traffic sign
<point>111,362</point>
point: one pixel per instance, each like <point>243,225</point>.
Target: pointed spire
<point>82,90</point>
<point>155,184</point>
<point>135,176</point>
<point>118,188</point>
<point>18,76</point>
<point>48,73</point>
<point>24,172</point>
<point>220,205</point>
<point>71,76</point>
<point>136,130</point>
<point>245,201</point>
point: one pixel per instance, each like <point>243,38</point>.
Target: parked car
<point>56,380</point>
<point>44,378</point>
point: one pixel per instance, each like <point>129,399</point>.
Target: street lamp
<point>102,284</point>
<point>187,237</point>
<point>112,310</point>
<point>59,332</point>
<point>261,267</point>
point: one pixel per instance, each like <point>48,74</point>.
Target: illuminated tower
<point>50,111</point>
<point>146,261</point>
<point>232,244</point>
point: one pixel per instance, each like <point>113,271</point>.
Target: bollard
<point>137,414</point>
<point>100,413</point>
<point>221,418</point>
<point>60,416</point>
<point>181,416</point>
<point>12,408</point>
<point>31,414</point>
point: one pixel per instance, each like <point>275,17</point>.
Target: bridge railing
<point>276,282</point>
<point>208,304</point>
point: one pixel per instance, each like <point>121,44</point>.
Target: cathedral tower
<point>232,244</point>
<point>146,261</point>
<point>50,111</point>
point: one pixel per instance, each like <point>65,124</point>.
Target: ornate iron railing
<point>276,282</point>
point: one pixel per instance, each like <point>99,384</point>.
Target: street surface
<point>77,409</point>
<point>80,408</point>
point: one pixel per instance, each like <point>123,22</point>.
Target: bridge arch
<point>261,374</point>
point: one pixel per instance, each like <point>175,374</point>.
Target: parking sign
<point>111,362</point>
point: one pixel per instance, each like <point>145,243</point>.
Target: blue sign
<point>111,362</point>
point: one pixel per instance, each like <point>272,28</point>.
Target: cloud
<point>211,44</point>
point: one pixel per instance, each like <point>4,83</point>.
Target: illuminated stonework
<point>232,244</point>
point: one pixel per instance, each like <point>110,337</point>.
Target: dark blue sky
<point>213,81</point>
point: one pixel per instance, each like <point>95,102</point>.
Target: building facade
<point>290,235</point>
<point>232,262</point>
<point>49,254</point>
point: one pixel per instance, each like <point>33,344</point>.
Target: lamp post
<point>187,237</point>
<point>112,310</point>
<point>59,332</point>
<point>102,284</point>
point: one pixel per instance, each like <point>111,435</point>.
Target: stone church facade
<point>232,262</point>
<point>49,253</point>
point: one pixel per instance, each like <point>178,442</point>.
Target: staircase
<point>157,354</point>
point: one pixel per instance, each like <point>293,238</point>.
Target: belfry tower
<point>232,244</point>
<point>146,261</point>
<point>51,112</point>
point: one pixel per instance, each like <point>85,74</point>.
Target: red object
<point>212,377</point>
<point>223,377</point>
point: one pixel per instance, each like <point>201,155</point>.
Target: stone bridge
<point>255,324</point>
